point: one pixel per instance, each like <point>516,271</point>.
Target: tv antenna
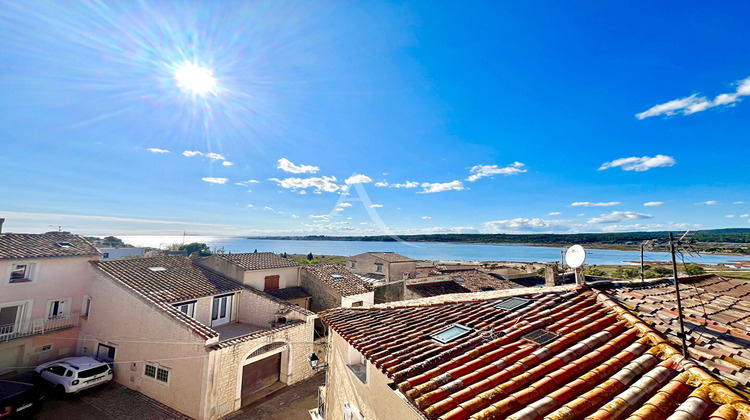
<point>575,257</point>
<point>683,242</point>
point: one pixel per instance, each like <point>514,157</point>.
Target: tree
<point>662,271</point>
<point>631,273</point>
<point>694,269</point>
<point>256,251</point>
<point>310,257</point>
<point>541,272</point>
<point>593,271</point>
<point>198,247</point>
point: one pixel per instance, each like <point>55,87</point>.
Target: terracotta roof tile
<point>45,245</point>
<point>604,363</point>
<point>259,260</point>
<point>390,256</point>
<point>339,278</point>
<point>290,293</point>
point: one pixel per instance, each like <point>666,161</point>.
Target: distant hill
<point>733,236</point>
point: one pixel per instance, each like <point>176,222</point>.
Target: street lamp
<point>315,362</point>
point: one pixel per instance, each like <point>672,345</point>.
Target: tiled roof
<point>437,288</point>
<point>181,279</point>
<point>29,245</point>
<point>390,256</point>
<point>290,293</point>
<point>716,317</point>
<point>479,281</point>
<point>604,362</point>
<point>346,284</point>
<point>259,260</point>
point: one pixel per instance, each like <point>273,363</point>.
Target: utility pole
<point>677,292</point>
<point>562,261</point>
<point>642,275</point>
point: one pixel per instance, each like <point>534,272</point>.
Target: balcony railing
<point>38,326</point>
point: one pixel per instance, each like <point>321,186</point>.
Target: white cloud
<point>729,216</point>
<point>524,225</point>
<point>358,179</point>
<point>407,184</point>
<point>212,156</point>
<point>590,204</point>
<point>480,171</point>
<point>294,216</point>
<point>581,214</point>
<point>215,156</point>
<point>190,153</point>
<point>654,204</point>
<point>694,103</point>
<point>745,215</point>
<point>707,203</point>
<point>426,217</point>
<point>250,205</point>
<point>155,150</point>
<point>554,213</point>
<point>287,166</point>
<point>639,164</point>
<point>246,183</point>
<point>302,192</point>
<point>618,216</point>
<point>739,202</point>
<point>227,163</point>
<point>215,180</point>
<point>325,183</point>
<point>376,206</point>
<point>321,217</point>
<point>345,205</point>
<point>440,187</point>
<point>268,208</point>
<point>652,227</point>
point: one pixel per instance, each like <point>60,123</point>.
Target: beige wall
<point>288,277</point>
<point>141,332</point>
<point>374,400</point>
<point>366,263</point>
<point>402,270</point>
<point>222,266</point>
<point>367,299</point>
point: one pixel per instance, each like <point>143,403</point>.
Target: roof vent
<point>155,269</point>
<point>452,333</point>
<point>512,303</point>
<point>541,336</point>
<point>65,245</point>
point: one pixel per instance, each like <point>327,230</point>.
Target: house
<point>333,286</point>
<point>263,271</point>
<point>42,296</point>
<point>558,353</point>
<point>462,280</point>
<point>113,253</point>
<point>716,316</point>
<point>388,266</point>
<point>191,338</point>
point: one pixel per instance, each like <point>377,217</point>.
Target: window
<point>271,283</point>
<point>157,372</point>
<point>65,245</point>
<point>12,314</point>
<point>59,308</point>
<point>22,273</point>
<point>512,303</point>
<point>378,268</point>
<point>452,333</point>
<point>187,308</point>
<point>221,311</point>
<point>357,303</point>
<point>351,413</point>
<point>354,264</point>
<point>358,365</point>
<point>86,306</point>
<point>105,255</point>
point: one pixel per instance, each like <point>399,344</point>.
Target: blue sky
<point>350,118</point>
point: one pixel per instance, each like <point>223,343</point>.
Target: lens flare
<point>195,79</point>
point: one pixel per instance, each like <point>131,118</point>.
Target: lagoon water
<point>417,250</point>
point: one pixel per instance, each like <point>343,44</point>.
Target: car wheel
<point>60,391</point>
<point>35,377</point>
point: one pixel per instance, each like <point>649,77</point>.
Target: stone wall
<point>323,296</point>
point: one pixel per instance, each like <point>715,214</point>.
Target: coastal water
<point>418,250</point>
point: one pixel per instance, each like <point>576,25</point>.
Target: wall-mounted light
<point>315,362</point>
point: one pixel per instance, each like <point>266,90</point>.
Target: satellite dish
<point>575,256</point>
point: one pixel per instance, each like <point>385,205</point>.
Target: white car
<point>74,374</point>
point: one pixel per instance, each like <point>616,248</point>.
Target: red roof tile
<point>339,278</point>
<point>259,260</point>
<point>604,363</point>
<point>45,245</point>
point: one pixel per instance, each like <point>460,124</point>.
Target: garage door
<point>259,375</point>
<point>10,359</point>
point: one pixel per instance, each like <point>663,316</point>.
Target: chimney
<point>550,274</point>
<point>195,255</point>
<point>1,225</point>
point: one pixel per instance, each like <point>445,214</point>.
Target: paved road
<point>288,403</point>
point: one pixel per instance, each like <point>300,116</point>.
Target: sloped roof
<point>290,293</point>
<point>259,260</point>
<point>437,288</point>
<point>347,283</point>
<point>602,361</point>
<point>479,281</point>
<point>388,256</point>
<point>180,280</point>
<point>44,245</point>
<point>716,317</point>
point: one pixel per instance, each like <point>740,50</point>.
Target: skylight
<point>65,245</point>
<point>337,276</point>
<point>155,269</point>
<point>458,278</point>
<point>541,336</point>
<point>512,303</point>
<point>452,333</point>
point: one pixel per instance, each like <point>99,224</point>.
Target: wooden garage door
<point>259,375</point>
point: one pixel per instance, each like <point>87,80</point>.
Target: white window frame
<point>64,313</point>
<point>355,358</point>
<point>86,306</point>
<point>157,367</point>
<point>378,267</point>
<point>190,308</point>
<point>23,315</point>
<point>32,272</point>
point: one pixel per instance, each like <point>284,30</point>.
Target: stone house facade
<point>388,265</point>
<point>333,286</point>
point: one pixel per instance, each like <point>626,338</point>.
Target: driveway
<point>288,403</point>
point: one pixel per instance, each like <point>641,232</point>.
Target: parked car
<point>74,374</point>
<point>18,398</point>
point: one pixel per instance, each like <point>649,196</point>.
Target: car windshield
<point>93,371</point>
<point>57,370</point>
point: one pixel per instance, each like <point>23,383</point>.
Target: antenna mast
<point>677,292</point>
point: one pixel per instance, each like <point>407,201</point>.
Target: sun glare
<point>194,79</point>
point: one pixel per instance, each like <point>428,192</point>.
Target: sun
<point>195,79</point>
